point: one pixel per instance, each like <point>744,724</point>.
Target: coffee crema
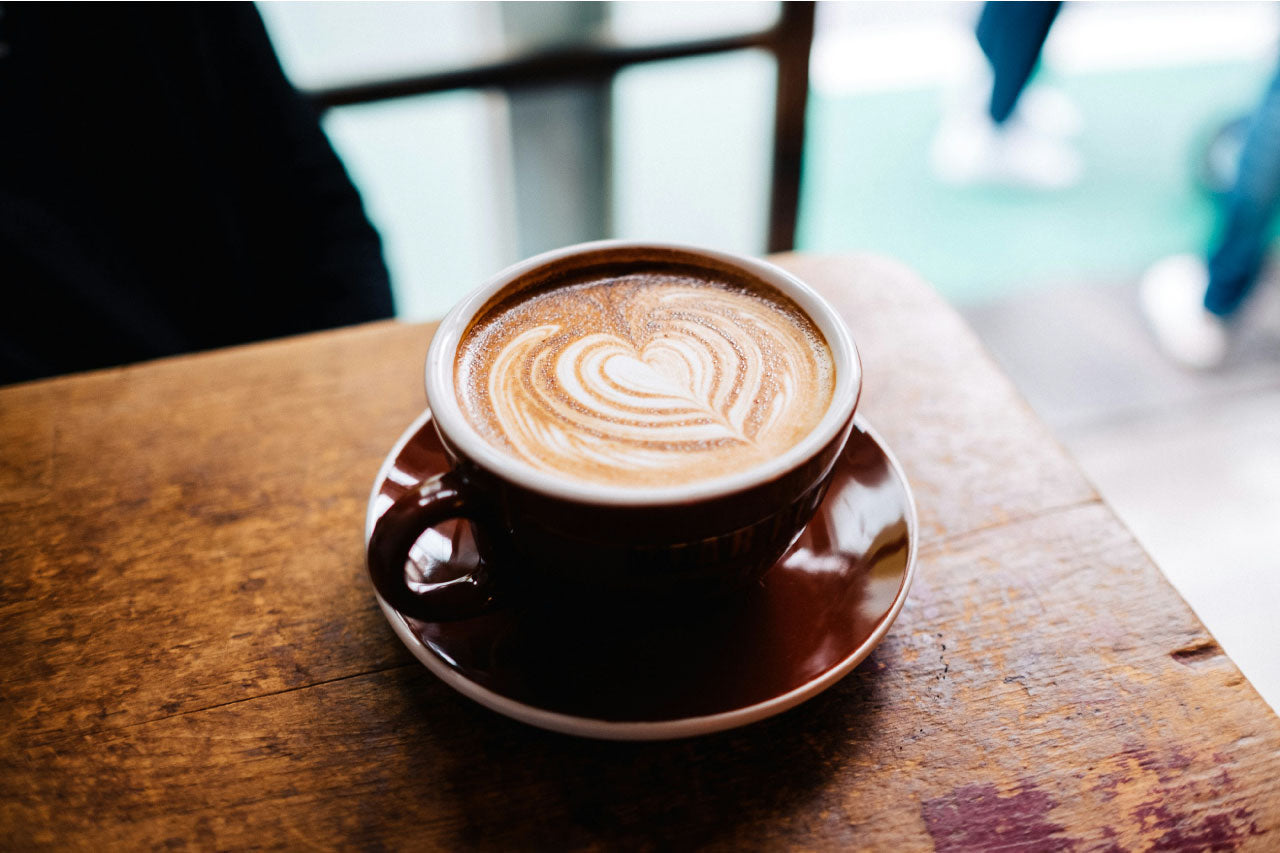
<point>644,378</point>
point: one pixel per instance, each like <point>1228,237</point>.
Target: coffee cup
<point>625,422</point>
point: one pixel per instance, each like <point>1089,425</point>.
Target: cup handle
<point>438,499</point>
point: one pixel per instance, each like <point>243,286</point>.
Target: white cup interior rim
<point>458,432</point>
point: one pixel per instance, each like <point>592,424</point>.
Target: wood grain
<point>193,657</point>
<point>975,453</point>
<point>197,537</point>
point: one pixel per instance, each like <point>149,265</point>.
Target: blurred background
<point>463,181</point>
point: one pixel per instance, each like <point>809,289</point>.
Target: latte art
<point>644,379</point>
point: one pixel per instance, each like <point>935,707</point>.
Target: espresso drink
<point>644,376</point>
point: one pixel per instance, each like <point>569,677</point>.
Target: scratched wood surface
<point>192,657</point>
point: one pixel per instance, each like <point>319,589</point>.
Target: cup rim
<point>458,433</point>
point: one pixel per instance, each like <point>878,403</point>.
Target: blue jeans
<point>1011,35</point>
<point>1249,208</point>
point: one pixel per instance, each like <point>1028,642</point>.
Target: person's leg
<point>1250,206</point>
<point>992,133</point>
<point>1187,300</point>
<point>1012,35</point>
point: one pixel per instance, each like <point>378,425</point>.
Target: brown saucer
<point>663,674</point>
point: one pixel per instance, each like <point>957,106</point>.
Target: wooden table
<point>192,655</point>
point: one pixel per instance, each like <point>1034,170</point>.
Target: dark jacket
<point>163,188</point>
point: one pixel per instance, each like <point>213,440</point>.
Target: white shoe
<point>1049,111</point>
<point>973,150</point>
<point>1030,150</point>
<point>1172,297</point>
<point>1042,109</point>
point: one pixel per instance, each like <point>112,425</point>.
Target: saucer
<point>812,618</point>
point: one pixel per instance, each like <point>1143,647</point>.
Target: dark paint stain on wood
<point>978,817</point>
<point>1223,831</point>
<point>1167,765</point>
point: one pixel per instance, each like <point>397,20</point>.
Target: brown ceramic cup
<point>542,537</point>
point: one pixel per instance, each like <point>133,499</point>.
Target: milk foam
<point>645,378</point>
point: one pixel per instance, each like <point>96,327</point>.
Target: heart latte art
<point>644,379</point>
